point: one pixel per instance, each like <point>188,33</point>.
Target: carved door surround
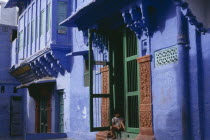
<point>105,109</point>
<point>145,107</point>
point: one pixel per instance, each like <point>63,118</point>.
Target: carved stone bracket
<point>136,21</point>
<point>146,129</point>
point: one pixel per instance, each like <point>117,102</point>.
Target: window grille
<point>166,56</point>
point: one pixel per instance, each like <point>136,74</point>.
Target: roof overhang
<point>94,13</point>
<point>197,12</point>
<point>14,3</point>
<point>201,10</point>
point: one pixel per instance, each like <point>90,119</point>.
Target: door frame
<point>126,59</point>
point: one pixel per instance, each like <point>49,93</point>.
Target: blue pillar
<point>183,73</point>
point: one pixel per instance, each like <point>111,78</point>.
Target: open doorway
<point>114,83</point>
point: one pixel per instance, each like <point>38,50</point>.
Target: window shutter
<point>16,124</point>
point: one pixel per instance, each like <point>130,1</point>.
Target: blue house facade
<point>40,65</point>
<point>80,60</point>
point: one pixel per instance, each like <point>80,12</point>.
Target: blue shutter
<point>16,115</point>
<point>4,116</point>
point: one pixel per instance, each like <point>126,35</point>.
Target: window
<point>86,73</point>
<point>14,90</point>
<point>42,22</point>
<point>48,16</point>
<point>28,34</point>
<point>14,34</point>
<point>32,31</point>
<point>62,14</point>
<point>20,40</point>
<point>2,89</point>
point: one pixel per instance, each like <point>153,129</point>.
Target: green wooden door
<point>43,115</point>
<point>131,81</point>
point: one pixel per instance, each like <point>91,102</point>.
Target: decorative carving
<point>145,97</point>
<point>145,83</point>
<point>105,101</point>
<point>146,118</point>
<point>105,80</point>
<point>145,107</point>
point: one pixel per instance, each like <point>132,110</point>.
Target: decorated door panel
<point>131,82</point>
<point>100,95</point>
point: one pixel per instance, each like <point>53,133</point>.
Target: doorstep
<point>40,136</point>
<point>59,139</point>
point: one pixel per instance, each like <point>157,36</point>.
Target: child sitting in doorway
<point>117,124</point>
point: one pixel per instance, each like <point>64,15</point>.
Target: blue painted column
<point>182,72</point>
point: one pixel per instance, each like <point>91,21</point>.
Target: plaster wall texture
<point>204,96</point>
<point>201,43</point>
<point>30,113</point>
<point>79,94</point>
<point>165,86</point>
<point>180,90</point>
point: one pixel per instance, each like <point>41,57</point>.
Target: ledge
<point>144,59</point>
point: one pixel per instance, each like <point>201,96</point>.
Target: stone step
<point>59,139</point>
